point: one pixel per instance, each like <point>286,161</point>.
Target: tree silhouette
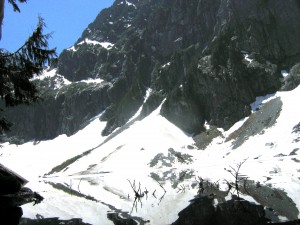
<point>19,67</point>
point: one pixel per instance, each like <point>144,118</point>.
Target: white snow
<point>206,125</point>
<point>166,65</point>
<point>148,92</point>
<point>130,4</point>
<point>246,56</point>
<point>90,81</point>
<point>179,39</point>
<point>105,172</point>
<point>59,79</point>
<point>127,3</point>
<point>72,49</point>
<point>106,45</point>
<point>248,59</point>
<point>41,157</point>
<point>46,74</point>
<point>284,73</point>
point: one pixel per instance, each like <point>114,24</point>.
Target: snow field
<point>105,173</point>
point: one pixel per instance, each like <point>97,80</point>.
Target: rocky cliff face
<point>208,59</point>
<point>62,110</point>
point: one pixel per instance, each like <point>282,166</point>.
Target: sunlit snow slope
<point>88,175</point>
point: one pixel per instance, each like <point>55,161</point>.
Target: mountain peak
<point>207,59</point>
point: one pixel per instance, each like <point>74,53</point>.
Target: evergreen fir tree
<point>18,68</point>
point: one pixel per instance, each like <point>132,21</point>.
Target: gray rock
<point>170,159</point>
<point>203,139</point>
<point>257,122</point>
<point>293,79</point>
<point>273,198</point>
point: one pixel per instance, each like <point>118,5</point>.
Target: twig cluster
<point>181,188</point>
<point>139,194</point>
<point>238,177</point>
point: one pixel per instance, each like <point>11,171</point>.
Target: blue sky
<point>65,18</point>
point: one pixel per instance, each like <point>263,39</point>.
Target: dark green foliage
<point>16,69</point>
<point>14,4</point>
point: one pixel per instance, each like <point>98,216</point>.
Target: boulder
<point>12,192</point>
<point>292,80</point>
<point>9,185</point>
<point>232,212</point>
<point>10,182</point>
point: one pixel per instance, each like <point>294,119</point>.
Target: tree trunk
<point>1,16</point>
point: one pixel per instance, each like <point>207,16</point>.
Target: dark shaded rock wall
<point>193,54</point>
<point>63,111</point>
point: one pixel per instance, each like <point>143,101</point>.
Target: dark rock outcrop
<point>292,80</point>
<point>13,195</point>
<point>60,111</point>
<point>200,211</point>
<point>10,182</point>
<point>232,212</point>
<point>10,185</point>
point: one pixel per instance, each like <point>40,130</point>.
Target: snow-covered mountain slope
<point>91,176</point>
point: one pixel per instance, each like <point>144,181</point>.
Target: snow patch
<point>46,74</point>
<point>247,56</point>
<point>59,80</point>
<point>148,92</point>
<point>206,125</point>
<point>179,39</point>
<point>128,4</point>
<point>166,65</point>
<point>42,156</point>
<point>260,101</point>
<point>91,81</point>
<point>284,73</point>
<point>106,45</point>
